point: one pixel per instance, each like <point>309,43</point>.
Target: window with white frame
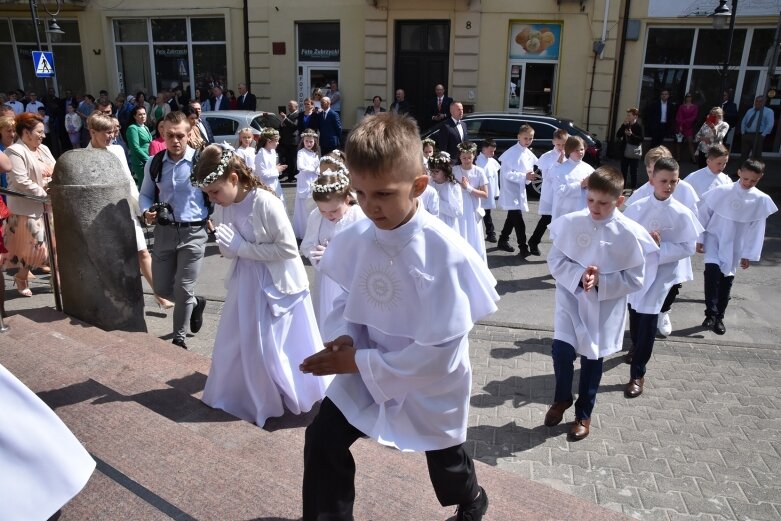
<point>17,43</point>
<point>155,54</point>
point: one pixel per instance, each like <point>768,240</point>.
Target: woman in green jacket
<point>138,139</point>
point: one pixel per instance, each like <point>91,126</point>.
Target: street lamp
<point>53,28</point>
<point>720,17</point>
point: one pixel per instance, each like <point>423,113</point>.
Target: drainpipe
<point>619,72</point>
<point>247,80</point>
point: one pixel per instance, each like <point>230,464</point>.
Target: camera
<point>165,213</point>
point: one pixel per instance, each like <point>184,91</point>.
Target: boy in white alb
<point>403,375</point>
<point>675,229</point>
<point>486,161</point>
<point>545,163</point>
<point>568,180</point>
<point>713,174</point>
<point>734,219</point>
<point>597,259</point>
<point>516,172</point>
<point>684,193</point>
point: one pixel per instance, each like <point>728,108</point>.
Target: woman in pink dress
<point>684,121</point>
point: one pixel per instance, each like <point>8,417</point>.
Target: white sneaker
<point>664,325</point>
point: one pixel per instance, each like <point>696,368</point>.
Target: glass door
<point>530,87</point>
<point>316,76</point>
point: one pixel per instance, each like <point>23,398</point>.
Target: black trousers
<point>670,298</point>
<point>287,156</point>
<point>539,230</point>
<point>329,469</point>
<point>515,222</point>
<point>629,171</point>
<point>642,331</point>
<point>489,224</point>
<point>717,291</point>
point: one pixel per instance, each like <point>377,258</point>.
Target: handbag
<point>633,151</point>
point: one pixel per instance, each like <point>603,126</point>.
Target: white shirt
<point>663,117</point>
<point>33,107</point>
<point>16,105</point>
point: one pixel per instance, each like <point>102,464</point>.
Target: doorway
<point>422,56</point>
<point>530,87</point>
<point>313,76</point>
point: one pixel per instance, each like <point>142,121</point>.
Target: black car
<point>503,128</point>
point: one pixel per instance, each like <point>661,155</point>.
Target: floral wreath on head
<point>468,147</point>
<point>330,160</point>
<point>342,182</point>
<point>227,153</point>
<point>309,133</point>
<point>269,133</point>
<point>439,160</point>
<point>428,142</point>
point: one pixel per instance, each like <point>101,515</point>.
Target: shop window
<point>655,80</point>
<point>761,44</point>
<point>171,68</point>
<point>169,30</point>
<point>7,63</point>
<point>133,68</point>
<point>208,29</point>
<point>669,46</point>
<point>209,64</point>
<point>24,31</point>
<point>705,87</point>
<point>5,31</point>
<point>70,68</point>
<point>130,31</point>
<point>712,46</point>
<point>318,42</point>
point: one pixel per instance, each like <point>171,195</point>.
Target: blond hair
<point>655,154</point>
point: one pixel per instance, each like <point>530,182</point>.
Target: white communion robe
<point>516,162</point>
<point>593,322</point>
<point>308,170</point>
<point>491,167</point>
<point>267,325</point>
<point>412,296</point>
<point>734,220</point>
<point>567,193</point>
<point>678,229</point>
<point>684,193</point>
<point>430,200</point>
<point>320,231</point>
<point>472,219</point>
<point>545,163</point>
<point>266,171</point>
<point>703,180</point>
<point>248,155</point>
<point>42,464</point>
<point>451,204</point>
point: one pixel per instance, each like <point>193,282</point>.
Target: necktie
<point>751,122</point>
<point>439,104</point>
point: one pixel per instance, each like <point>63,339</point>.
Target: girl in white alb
<point>266,167</point>
<point>451,202</point>
<point>245,148</point>
<point>308,163</point>
<point>475,189</point>
<point>335,211</point>
<point>267,326</point>
<point>568,179</point>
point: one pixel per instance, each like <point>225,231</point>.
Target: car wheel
<point>537,186</point>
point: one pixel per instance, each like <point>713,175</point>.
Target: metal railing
<point>45,201</point>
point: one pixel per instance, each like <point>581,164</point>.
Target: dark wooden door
<point>422,54</point>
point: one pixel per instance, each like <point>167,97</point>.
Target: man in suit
<point>203,125</point>
<point>219,101</point>
<point>660,118</point>
<point>330,127</point>
<point>453,132</point>
<point>247,100</point>
<point>288,139</point>
<point>401,105</point>
<point>440,105</point>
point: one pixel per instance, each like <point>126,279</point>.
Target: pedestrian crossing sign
<point>44,64</point>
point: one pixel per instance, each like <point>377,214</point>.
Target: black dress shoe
<point>180,343</point>
<point>579,429</point>
<point>718,327</point>
<point>534,249</point>
<point>505,246</point>
<point>491,237</point>
<point>634,388</point>
<point>196,319</point>
<point>709,322</point>
<point>523,251</point>
<point>475,510</point>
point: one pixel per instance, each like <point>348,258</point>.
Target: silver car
<point>225,124</point>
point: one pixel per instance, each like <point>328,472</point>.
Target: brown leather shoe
<point>556,413</point>
<point>634,388</point>
<point>579,429</point>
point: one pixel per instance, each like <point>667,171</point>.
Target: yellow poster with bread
<point>535,41</point>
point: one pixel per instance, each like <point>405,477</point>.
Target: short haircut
<point>656,153</point>
<point>717,150</point>
<point>633,111</point>
<point>7,122</point>
<point>666,163</point>
<point>607,179</point>
<point>560,134</point>
<point>573,143</point>
<point>100,122</point>
<point>27,121</point>
<point>754,165</point>
<point>526,129</point>
<point>387,143</point>
<point>488,142</point>
<point>176,117</point>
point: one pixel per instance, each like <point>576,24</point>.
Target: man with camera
<point>181,214</point>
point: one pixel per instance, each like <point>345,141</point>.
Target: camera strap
<point>156,173</point>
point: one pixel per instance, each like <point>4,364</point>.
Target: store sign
<point>170,52</point>
<point>535,41</point>
<point>318,42</point>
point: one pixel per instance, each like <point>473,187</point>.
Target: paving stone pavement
<point>701,443</point>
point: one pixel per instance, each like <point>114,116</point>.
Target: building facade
<point>586,60</point>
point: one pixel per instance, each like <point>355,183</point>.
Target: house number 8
<point>469,24</point>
